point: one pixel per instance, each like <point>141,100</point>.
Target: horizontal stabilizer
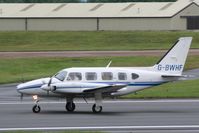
<point>172,76</point>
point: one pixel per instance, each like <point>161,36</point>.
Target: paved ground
<point>117,115</point>
<point>88,53</point>
<point>143,116</point>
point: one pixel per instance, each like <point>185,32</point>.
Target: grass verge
<point>92,40</point>
<point>15,70</point>
<point>180,89</point>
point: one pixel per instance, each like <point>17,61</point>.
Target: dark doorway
<point>193,22</point>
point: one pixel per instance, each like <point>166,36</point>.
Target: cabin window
<point>107,76</point>
<point>74,76</point>
<point>134,76</point>
<point>60,75</point>
<point>91,76</point>
<point>122,76</point>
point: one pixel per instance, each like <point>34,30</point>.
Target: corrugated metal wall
<point>12,24</point>
<point>84,24</point>
<point>62,24</point>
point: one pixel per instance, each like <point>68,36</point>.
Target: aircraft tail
<point>172,63</point>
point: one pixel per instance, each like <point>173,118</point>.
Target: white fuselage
<point>76,80</point>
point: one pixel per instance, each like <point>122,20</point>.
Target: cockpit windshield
<point>61,75</point>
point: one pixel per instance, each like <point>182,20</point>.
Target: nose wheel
<point>36,108</point>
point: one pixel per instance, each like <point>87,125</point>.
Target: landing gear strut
<point>36,108</point>
<point>97,107</point>
<point>70,105</point>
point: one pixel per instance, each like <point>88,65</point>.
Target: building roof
<point>89,10</point>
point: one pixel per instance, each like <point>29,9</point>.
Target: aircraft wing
<point>108,88</point>
<point>77,87</point>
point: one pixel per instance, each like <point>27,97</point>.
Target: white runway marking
<point>174,127</point>
<point>113,101</point>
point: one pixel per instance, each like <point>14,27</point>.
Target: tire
<point>70,106</point>
<point>97,109</point>
<point>36,109</point>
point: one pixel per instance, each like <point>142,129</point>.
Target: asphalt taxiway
<point>118,115</point>
<point>131,115</point>
<point>125,115</point>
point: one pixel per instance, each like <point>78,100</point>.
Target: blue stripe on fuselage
<point>30,87</point>
<point>108,83</point>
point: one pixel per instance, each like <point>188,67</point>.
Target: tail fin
<point>174,60</point>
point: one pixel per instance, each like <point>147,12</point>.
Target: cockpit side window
<point>134,76</point>
<point>61,75</point>
<point>74,76</point>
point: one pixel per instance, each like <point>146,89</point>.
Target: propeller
<point>47,86</point>
<point>50,81</point>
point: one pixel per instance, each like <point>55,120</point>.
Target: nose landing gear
<point>36,108</point>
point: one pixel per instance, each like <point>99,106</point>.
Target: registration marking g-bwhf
<point>169,67</point>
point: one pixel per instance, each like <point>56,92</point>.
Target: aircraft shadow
<point>112,113</point>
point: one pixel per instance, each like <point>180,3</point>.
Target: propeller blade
<point>50,81</point>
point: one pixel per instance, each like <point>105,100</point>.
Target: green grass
<point>14,70</point>
<point>96,40</point>
<point>180,89</point>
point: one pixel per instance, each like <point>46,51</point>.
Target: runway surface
<point>154,116</point>
<point>118,116</point>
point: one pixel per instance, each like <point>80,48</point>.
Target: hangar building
<point>180,15</point>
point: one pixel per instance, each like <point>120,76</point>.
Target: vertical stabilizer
<point>174,60</point>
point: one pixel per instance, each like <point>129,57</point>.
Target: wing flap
<point>109,88</point>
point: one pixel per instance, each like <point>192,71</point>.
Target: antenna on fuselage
<point>109,64</point>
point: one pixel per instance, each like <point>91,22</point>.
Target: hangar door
<point>193,22</point>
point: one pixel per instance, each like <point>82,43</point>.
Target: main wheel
<point>97,109</point>
<point>70,106</point>
<point>36,109</point>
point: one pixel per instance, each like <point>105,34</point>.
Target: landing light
<point>35,97</point>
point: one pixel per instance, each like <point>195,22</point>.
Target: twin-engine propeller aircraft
<point>99,82</point>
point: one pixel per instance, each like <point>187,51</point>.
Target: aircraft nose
<point>20,87</point>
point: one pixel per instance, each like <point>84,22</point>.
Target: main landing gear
<point>70,105</point>
<point>97,107</point>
